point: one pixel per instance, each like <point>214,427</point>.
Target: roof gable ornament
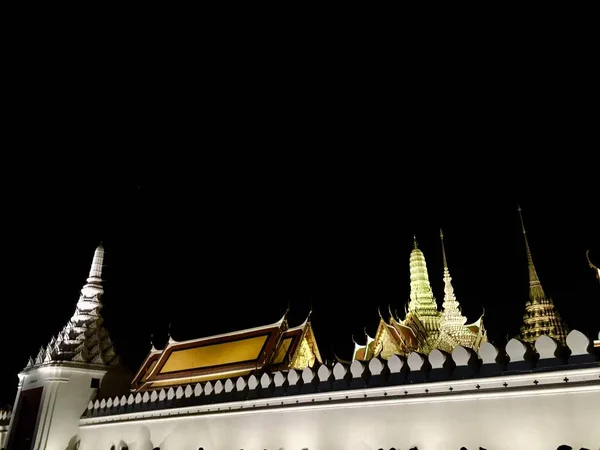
<point>592,266</point>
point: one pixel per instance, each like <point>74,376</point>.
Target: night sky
<point>228,246</point>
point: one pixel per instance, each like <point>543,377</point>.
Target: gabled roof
<point>209,356</point>
<point>230,354</point>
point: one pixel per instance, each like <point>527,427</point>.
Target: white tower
<point>56,386</point>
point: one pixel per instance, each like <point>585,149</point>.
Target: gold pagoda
<point>541,316</point>
<point>424,327</point>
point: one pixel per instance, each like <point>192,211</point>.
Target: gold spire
<point>415,240</point>
<point>443,249</point>
<point>541,316</point>
<point>452,315</point>
<point>421,296</point>
<point>534,281</point>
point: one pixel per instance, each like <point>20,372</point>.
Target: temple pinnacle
<point>541,316</point>
<point>533,277</point>
<point>97,262</point>
<point>93,284</point>
<point>415,240</point>
<point>443,249</point>
<point>452,315</point>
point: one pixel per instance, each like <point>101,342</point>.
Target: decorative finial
<point>533,277</point>
<point>592,266</point>
<point>521,216</point>
<point>380,316</point>
<point>415,240</point>
<point>443,249</point>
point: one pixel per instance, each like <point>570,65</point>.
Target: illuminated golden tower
<point>424,327</point>
<point>541,316</point>
<point>453,331</point>
<point>421,297</point>
<point>451,316</point>
<point>423,315</point>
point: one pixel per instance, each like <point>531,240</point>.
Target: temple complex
<point>541,316</point>
<point>428,381</point>
<point>424,327</point>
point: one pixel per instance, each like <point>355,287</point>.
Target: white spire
<point>83,339</point>
<point>93,286</point>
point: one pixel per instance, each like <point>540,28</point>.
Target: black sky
<point>220,253</point>
<point>225,190</point>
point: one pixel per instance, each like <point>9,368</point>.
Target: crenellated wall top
<point>461,371</point>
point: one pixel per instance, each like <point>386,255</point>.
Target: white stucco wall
<point>65,396</point>
<point>3,435</point>
<point>530,418</point>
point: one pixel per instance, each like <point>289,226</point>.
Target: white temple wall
<point>66,394</point>
<point>531,420</point>
<point>3,436</point>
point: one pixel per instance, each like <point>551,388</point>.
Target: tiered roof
<point>424,327</point>
<point>274,346</point>
<point>83,340</point>
<point>541,316</point>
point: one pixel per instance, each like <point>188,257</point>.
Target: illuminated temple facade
<point>428,381</point>
<point>425,327</point>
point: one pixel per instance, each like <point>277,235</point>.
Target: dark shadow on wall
<point>73,443</point>
<point>116,382</point>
